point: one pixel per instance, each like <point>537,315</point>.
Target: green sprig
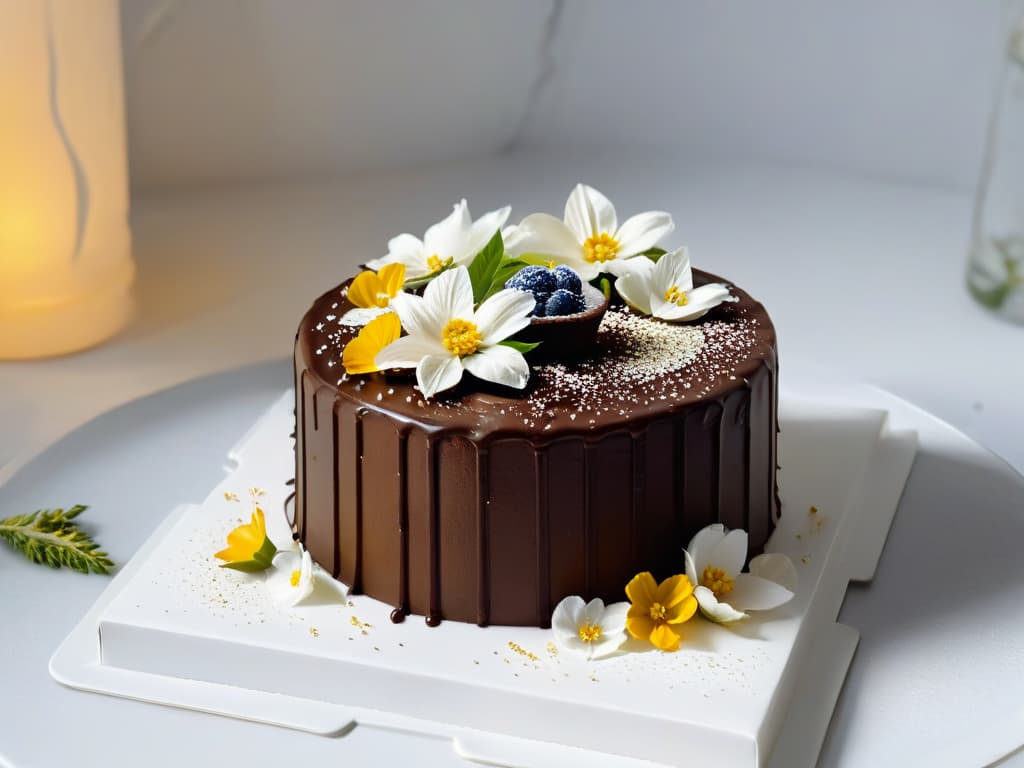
<point>48,537</point>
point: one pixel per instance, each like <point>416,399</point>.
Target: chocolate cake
<point>488,504</point>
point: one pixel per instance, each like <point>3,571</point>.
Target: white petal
<point>279,579</point>
<point>588,212</point>
<point>730,553</point>
<point>609,643</point>
<point>643,231</point>
<point>593,612</point>
<point>715,610</point>
<point>703,544</point>
<point>450,296</point>
<point>700,301</point>
<point>565,618</point>
<point>635,289</point>
<point>437,373</point>
<point>673,269</point>
<point>409,351</point>
<point>480,234</point>
<point>775,567</point>
<point>406,249</point>
<point>752,593</point>
<point>443,239</point>
<point>322,579</point>
<point>576,647</point>
<point>419,317</point>
<point>503,314</point>
<point>500,364</point>
<point>624,264</point>
<point>543,233</point>
<point>691,568</point>
<point>614,619</point>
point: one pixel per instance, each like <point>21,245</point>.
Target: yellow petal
<point>392,277</point>
<point>246,539</point>
<point>674,590</point>
<point>640,625</point>
<point>259,522</point>
<point>665,638</point>
<point>364,289</point>
<point>360,353</point>
<point>682,612</point>
<point>642,590</point>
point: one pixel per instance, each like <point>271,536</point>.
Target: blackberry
<point>567,279</point>
<point>534,279</point>
<point>563,302</point>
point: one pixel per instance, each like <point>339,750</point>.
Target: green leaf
<point>48,537</point>
<point>541,259</point>
<point>522,347</point>
<point>484,265</point>
<point>505,270</point>
<point>654,253</point>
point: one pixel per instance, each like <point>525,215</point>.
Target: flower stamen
<point>657,612</point>
<point>461,337</point>
<point>717,580</point>
<point>296,577</point>
<point>436,263</point>
<point>600,248</point>
<point>590,633</point>
<point>674,296</point>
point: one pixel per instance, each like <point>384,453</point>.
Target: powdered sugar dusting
<point>639,366</point>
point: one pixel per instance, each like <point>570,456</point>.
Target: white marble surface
<point>861,276</point>
<point>259,89</point>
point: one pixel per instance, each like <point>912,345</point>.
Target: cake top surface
<point>640,366</point>
<point>444,331</point>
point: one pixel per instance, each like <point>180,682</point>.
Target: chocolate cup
<point>567,337</point>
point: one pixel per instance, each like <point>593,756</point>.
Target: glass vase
<point>995,273</point>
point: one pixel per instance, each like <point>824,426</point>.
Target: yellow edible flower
<point>656,610</point>
<point>248,548</point>
<point>377,289</point>
<point>360,354</point>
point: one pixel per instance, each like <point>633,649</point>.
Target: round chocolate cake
<point>489,505</point>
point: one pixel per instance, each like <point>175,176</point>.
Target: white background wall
<point>220,90</point>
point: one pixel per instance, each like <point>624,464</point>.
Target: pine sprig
<point>48,537</point>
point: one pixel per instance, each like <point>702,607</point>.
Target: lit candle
<point>65,248</point>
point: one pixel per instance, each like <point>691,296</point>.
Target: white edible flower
<point>447,336</point>
<point>451,242</point>
<point>714,560</point>
<point>589,240</point>
<point>589,629</point>
<point>665,290</point>
<point>295,577</point>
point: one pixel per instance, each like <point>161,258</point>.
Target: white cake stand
<point>138,460</point>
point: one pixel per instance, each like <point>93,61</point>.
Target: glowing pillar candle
<point>65,249</point>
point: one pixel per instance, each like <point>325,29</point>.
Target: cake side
<point>486,506</point>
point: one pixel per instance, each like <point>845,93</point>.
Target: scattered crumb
<point>515,647</point>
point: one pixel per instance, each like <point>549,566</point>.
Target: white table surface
<point>861,276</point>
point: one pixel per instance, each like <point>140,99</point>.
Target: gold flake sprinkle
<point>522,651</point>
<point>363,625</point>
<point>229,496</point>
<point>813,510</point>
<point>552,648</point>
<point>314,632</point>
<point>256,492</point>
<point>805,559</point>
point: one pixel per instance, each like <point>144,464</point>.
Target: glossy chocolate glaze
<point>489,505</point>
